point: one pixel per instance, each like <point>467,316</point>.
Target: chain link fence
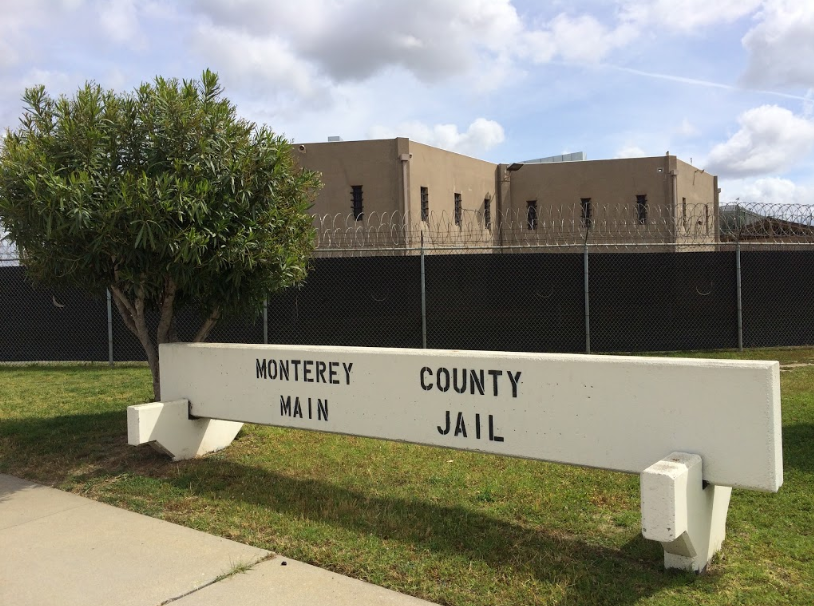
<point>567,280</point>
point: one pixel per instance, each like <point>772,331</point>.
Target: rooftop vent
<point>575,157</point>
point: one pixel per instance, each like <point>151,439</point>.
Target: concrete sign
<point>619,413</point>
<point>616,413</point>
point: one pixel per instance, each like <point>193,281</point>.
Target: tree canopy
<point>163,195</point>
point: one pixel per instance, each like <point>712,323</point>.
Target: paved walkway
<point>60,548</point>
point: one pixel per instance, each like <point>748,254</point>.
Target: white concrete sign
<point>611,412</point>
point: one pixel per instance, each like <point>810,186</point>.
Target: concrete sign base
<point>688,519</point>
<point>719,419</point>
<point>168,427</point>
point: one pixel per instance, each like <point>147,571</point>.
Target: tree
<point>163,196</point>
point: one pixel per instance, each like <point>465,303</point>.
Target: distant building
<point>448,198</point>
<point>766,224</point>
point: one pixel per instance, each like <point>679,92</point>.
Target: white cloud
<point>581,39</point>
<point>56,83</point>
<point>431,39</point>
<point>771,139</point>
<point>687,129</point>
<point>768,190</point>
<point>16,40</point>
<point>808,104</point>
<point>310,48</point>
<point>781,45</point>
<point>8,54</point>
<point>630,151</point>
<point>259,64</point>
<point>120,22</point>
<point>685,15</point>
<point>481,135</point>
<point>353,40</point>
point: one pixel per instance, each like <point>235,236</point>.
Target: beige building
<point>398,192</point>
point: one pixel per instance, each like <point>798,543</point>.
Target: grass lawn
<point>447,526</point>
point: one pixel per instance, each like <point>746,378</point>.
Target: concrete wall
<point>612,186</point>
<point>372,164</point>
<point>446,173</point>
<point>696,204</point>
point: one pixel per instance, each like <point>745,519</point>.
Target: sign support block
<point>686,517</point>
<point>168,427</point>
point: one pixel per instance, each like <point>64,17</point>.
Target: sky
<point>727,85</point>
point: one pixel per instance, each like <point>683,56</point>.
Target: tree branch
<point>144,336</point>
<point>132,314</point>
<point>167,311</point>
<point>140,321</point>
<point>207,326</point>
<point>126,309</point>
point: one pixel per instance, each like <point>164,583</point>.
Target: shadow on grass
<point>798,447</point>
<point>622,576</point>
<point>84,447</point>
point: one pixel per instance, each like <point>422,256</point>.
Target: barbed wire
<point>767,222</point>
<point>606,226</point>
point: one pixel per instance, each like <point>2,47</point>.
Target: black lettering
<point>332,373</point>
<point>477,426</point>
<point>306,370</point>
<point>462,388</point>
<point>443,372</point>
<point>285,406</point>
<point>321,366</point>
<point>261,368</point>
<point>284,370</point>
<point>273,363</point>
<point>492,435</point>
<point>495,374</point>
<point>310,416</point>
<point>515,379</point>
<point>425,386</point>
<point>297,408</point>
<point>296,364</point>
<point>322,409</point>
<point>460,426</point>
<point>444,432</point>
<point>474,381</point>
<point>348,368</point>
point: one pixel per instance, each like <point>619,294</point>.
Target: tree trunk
<point>132,313</point>
<point>207,327</point>
<point>165,324</point>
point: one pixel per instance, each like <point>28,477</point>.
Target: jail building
<point>400,193</point>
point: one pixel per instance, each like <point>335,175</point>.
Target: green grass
<point>448,526</point>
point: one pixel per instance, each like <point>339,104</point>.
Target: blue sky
<point>726,84</point>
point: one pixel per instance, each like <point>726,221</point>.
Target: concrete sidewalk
<point>60,548</point>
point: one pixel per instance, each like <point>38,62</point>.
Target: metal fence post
<point>109,330</point>
<point>423,298</point>
<point>738,274</point>
<point>587,298</point>
<point>740,300</point>
<point>266,321</point>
